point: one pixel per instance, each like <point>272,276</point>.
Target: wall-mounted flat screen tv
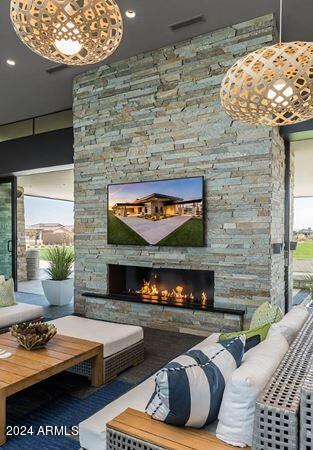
<point>160,213</point>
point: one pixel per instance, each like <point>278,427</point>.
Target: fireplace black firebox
<point>193,289</point>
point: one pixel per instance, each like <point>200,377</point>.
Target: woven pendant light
<point>272,86</point>
<point>73,32</point>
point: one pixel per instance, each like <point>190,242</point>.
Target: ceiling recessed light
<point>10,62</point>
<point>130,13</point>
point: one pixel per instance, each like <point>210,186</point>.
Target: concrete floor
<point>31,287</point>
<point>50,312</point>
<point>35,286</point>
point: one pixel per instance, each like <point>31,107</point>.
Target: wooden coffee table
<point>26,368</point>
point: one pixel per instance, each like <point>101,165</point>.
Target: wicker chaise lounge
<point>288,396</point>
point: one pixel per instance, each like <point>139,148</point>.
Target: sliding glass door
<point>8,227</point>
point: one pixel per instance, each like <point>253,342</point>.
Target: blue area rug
<point>58,406</point>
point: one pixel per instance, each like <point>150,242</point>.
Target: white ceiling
<point>27,90</point>
<point>303,168</point>
<point>56,184</point>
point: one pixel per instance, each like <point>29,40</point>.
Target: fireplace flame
<point>154,291</point>
<point>150,290</point>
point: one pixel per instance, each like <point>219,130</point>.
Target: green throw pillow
<point>253,336</point>
<point>7,296</point>
<point>266,313</point>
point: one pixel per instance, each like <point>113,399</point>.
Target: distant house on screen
<point>159,206</point>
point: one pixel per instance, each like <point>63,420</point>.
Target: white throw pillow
<point>290,324</point>
<point>2,279</point>
<point>7,295</point>
<point>236,416</point>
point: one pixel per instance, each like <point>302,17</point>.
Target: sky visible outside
<point>185,188</point>
<point>303,213</point>
<point>42,210</point>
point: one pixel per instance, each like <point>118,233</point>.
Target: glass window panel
<point>16,130</point>
<point>56,121</point>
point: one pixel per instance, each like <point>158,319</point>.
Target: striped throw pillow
<point>189,390</point>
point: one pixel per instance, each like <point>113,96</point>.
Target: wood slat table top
<point>141,426</point>
<point>25,368</point>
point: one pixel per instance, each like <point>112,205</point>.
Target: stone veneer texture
<point>21,240</point>
<point>158,115</point>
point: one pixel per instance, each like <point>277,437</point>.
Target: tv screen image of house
<point>160,213</point>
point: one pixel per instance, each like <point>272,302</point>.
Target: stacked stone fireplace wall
<point>158,115</point>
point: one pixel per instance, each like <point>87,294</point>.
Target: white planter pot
<point>59,293</point>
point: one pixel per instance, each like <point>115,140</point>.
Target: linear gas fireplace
<point>193,289</point>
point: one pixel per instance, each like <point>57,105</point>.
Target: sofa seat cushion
<point>92,431</point>
<point>115,337</point>
<point>20,312</point>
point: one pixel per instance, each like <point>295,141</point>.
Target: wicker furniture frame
<point>306,412</point>
<point>114,364</point>
<point>135,430</point>
<point>122,441</point>
<point>276,423</point>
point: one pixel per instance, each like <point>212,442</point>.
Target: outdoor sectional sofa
<point>123,424</point>
<point>19,313</point>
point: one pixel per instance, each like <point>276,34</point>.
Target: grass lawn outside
<point>120,233</point>
<point>304,250</point>
<point>188,234</point>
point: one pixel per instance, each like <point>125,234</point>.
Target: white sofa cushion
<point>291,323</point>
<point>92,431</point>
<point>114,336</point>
<point>236,415</point>
<point>2,279</point>
<point>20,312</point>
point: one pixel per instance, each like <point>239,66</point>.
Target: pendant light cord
<point>280,20</point>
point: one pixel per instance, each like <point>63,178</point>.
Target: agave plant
<point>61,260</point>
